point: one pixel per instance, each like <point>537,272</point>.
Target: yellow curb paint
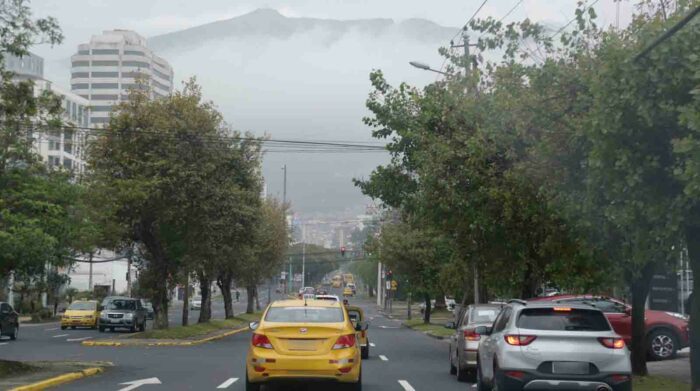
<point>60,379</point>
<point>169,343</point>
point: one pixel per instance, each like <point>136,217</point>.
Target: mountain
<point>270,23</point>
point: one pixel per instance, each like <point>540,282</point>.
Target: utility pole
<point>303,255</point>
<point>284,191</point>
<point>128,271</point>
<point>90,275</point>
<point>380,286</point>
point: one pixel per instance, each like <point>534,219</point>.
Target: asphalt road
<point>401,359</point>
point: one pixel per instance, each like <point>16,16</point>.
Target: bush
<point>42,315</point>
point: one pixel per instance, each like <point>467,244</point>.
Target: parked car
<point>81,313</point>
<point>450,303</point>
<point>548,346</point>
<point>304,341</point>
<point>464,343</point>
<point>667,332</point>
<point>123,312</point>
<point>150,314</point>
<point>196,303</point>
<point>9,321</point>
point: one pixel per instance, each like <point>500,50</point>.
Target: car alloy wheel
<point>15,333</point>
<point>662,346</point>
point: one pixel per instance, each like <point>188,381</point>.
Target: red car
<point>667,331</point>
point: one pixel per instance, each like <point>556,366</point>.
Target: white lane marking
<point>383,358</point>
<point>228,382</point>
<point>55,328</point>
<point>372,344</point>
<point>3,343</point>
<point>406,386</point>
<point>78,339</point>
<point>60,335</point>
<point>388,327</point>
<point>138,383</point>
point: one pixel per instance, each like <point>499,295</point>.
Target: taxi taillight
<point>344,342</point>
<point>261,341</point>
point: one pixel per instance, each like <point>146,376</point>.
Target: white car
<point>196,303</point>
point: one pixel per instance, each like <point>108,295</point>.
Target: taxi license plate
<point>302,344</point>
<point>115,320</point>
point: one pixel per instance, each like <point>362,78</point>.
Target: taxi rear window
<point>305,315</point>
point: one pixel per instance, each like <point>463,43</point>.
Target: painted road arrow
<point>138,383</point>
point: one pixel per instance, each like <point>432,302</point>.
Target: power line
<point>668,34</point>
<point>571,21</point>
<point>511,11</point>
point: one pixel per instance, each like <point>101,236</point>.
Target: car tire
<point>663,345</point>
<point>132,329</point>
<point>101,329</point>
<point>15,333</point>
<point>453,368</point>
<point>364,351</point>
<point>497,379</point>
<point>357,386</point>
<point>143,326</point>
<point>251,386</point>
<point>72,327</point>
<point>111,329</point>
<point>63,327</point>
<point>480,384</point>
<point>463,374</point>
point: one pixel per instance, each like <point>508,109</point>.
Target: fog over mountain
<point>303,78</point>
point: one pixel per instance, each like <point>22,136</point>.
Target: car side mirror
<point>361,326</point>
<point>450,325</point>
<point>253,325</point>
<point>483,330</point>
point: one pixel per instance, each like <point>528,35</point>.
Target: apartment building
<point>103,71</point>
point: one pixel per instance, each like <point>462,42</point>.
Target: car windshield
<point>82,306</point>
<point>121,305</point>
<point>484,315</point>
<point>305,314</point>
<point>562,319</point>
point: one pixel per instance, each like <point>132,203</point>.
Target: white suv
<point>548,346</point>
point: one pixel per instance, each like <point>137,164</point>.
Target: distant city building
<point>104,70</point>
<point>63,147</point>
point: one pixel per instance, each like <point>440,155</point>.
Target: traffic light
<point>389,274</point>
<point>342,251</point>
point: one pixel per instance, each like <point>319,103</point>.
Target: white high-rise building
<point>106,68</point>
<point>64,147</point>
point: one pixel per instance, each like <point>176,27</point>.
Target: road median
<point>40,375</point>
<point>436,331</point>
<point>191,335</point>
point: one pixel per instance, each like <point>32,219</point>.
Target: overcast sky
<point>310,86</point>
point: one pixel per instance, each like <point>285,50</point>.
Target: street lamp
<point>426,67</point>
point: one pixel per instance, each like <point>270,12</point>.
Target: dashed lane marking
<point>406,385</point>
<point>60,335</point>
<point>3,343</point>
<point>372,344</point>
<point>383,358</point>
<point>55,328</point>
<point>78,339</point>
<point>228,383</point>
<point>388,327</point>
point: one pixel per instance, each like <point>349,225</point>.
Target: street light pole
<point>303,255</point>
<point>426,67</point>
<point>284,191</point>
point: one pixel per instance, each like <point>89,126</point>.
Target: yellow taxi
<point>305,340</point>
<point>81,313</point>
<point>347,291</point>
<point>357,316</point>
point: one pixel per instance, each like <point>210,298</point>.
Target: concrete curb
<point>60,379</point>
<point>165,343</point>
<point>438,337</point>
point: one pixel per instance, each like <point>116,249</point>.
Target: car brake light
<point>471,335</point>
<point>344,342</point>
<point>519,340</point>
<point>562,309</point>
<point>620,378</point>
<point>516,374</point>
<point>261,341</point>
<point>612,343</point>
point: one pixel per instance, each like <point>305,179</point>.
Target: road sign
<point>394,285</point>
<point>388,285</point>
<point>283,276</point>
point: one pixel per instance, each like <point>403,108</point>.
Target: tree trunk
<point>205,292</point>
<point>186,301</point>
<point>250,293</point>
<point>225,282</point>
<point>640,286</point>
<point>160,274</point>
<point>440,301</point>
<point>257,299</point>
<point>428,309</point>
<point>692,237</point>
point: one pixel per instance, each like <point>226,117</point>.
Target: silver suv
<point>548,346</point>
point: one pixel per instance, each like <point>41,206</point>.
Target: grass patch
<point>199,329</point>
<point>14,368</point>
<point>437,330</point>
<point>657,383</point>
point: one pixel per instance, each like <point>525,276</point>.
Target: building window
<point>102,86</point>
<point>54,145</point>
<point>100,109</point>
<point>134,74</point>
<point>67,147</point>
<point>105,63</point>
<point>105,51</point>
<point>74,111</point>
<point>105,97</point>
<point>67,163</point>
<point>135,86</point>
<point>134,53</point>
<point>139,64</point>
<point>54,161</point>
<point>84,52</point>
<point>161,75</point>
<point>79,74</point>
<point>105,74</point>
<point>99,120</point>
<point>80,63</point>
<point>80,86</point>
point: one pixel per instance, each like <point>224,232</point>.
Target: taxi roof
<point>308,302</point>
